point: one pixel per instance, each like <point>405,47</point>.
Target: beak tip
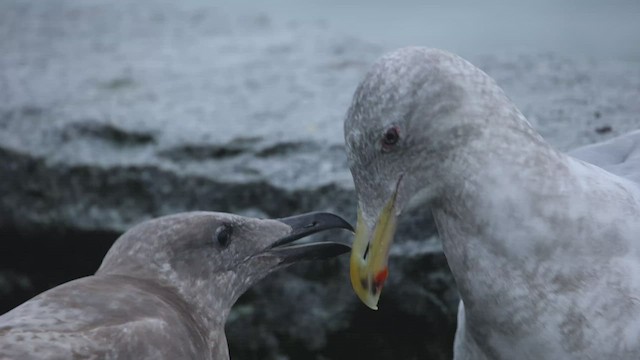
<point>371,303</point>
<point>370,255</point>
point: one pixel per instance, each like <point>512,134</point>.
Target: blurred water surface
<point>605,29</point>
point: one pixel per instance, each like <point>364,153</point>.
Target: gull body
<point>544,248</point>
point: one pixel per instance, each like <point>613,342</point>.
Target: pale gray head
<point>210,259</point>
<point>415,113</point>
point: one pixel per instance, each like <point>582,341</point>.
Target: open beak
<point>303,226</point>
<point>370,254</point>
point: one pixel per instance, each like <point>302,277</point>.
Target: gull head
<point>412,122</point>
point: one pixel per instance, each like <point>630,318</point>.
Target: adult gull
<point>164,289</point>
<point>544,247</point>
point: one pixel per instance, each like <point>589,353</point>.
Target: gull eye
<point>223,235</point>
<point>390,138</point>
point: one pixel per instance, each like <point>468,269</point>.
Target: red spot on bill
<point>380,277</point>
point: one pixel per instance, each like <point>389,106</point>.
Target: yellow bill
<point>370,255</point>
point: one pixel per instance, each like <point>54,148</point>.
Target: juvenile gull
<point>164,289</point>
<point>544,247</point>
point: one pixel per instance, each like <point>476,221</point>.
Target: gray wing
<point>619,156</point>
<point>98,318</point>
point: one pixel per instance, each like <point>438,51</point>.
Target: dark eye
<point>223,235</point>
<point>390,138</point>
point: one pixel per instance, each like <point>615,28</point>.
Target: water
<point>584,28</point>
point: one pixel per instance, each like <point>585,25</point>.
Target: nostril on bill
<point>313,224</point>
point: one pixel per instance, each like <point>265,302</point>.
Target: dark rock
<point>604,129</point>
<point>111,115</point>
